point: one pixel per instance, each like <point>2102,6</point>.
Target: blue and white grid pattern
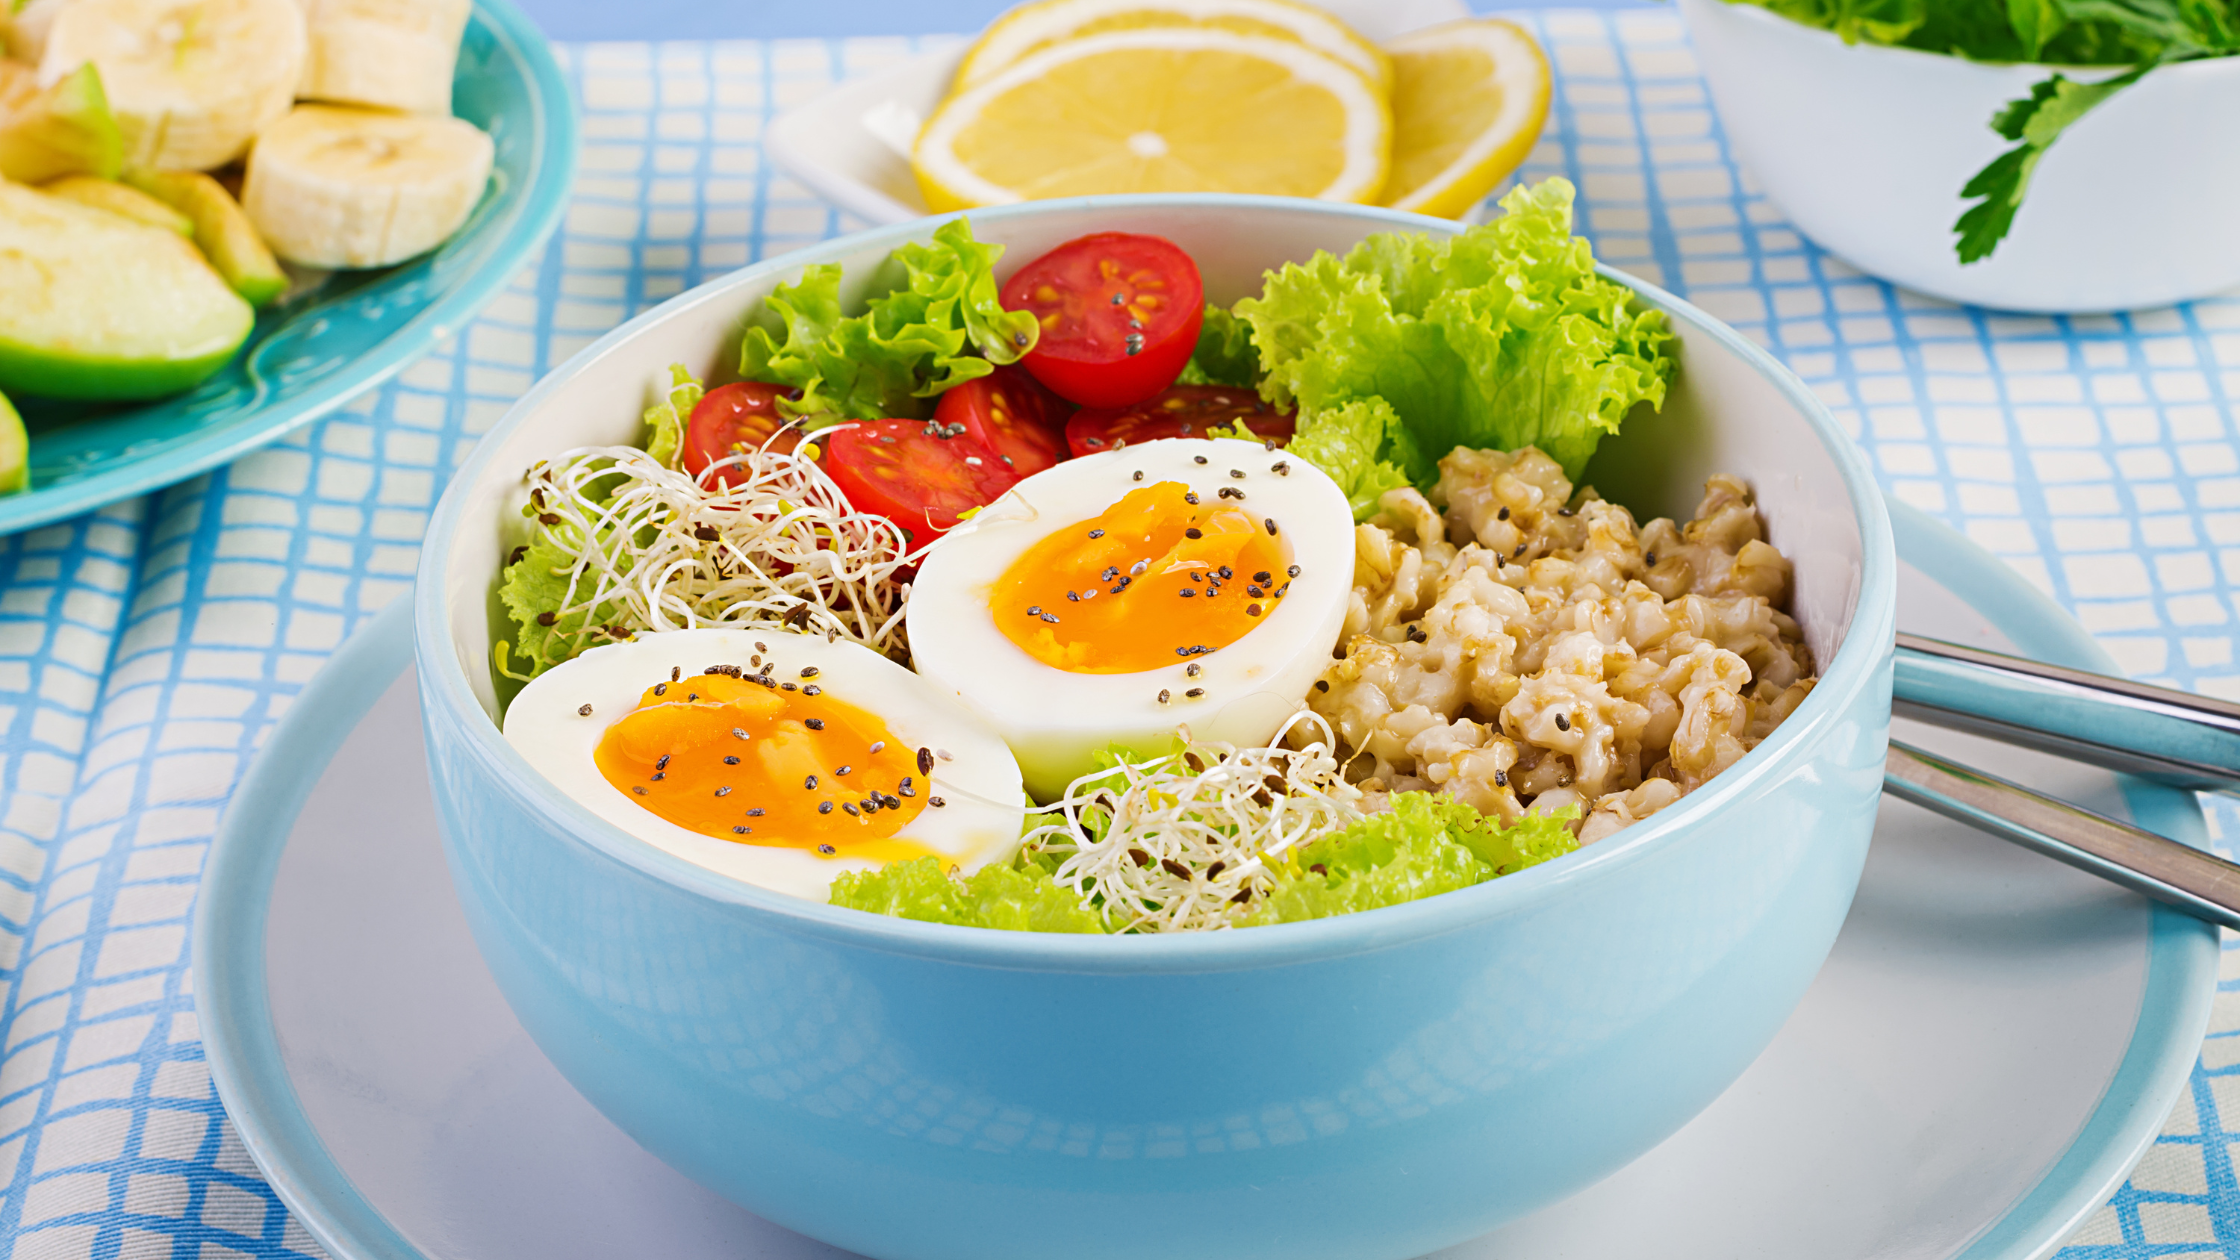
<point>146,650</point>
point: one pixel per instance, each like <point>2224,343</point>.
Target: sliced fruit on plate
<point>221,229</point>
<point>335,187</point>
<point>1030,28</point>
<point>191,81</point>
<point>1468,101</point>
<point>15,450</point>
<point>1163,109</point>
<point>116,198</point>
<point>62,129</point>
<point>396,54</point>
<point>102,307</point>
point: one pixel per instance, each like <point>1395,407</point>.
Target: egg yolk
<point>1160,577</point>
<point>741,761</point>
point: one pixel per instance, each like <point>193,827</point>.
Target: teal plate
<point>309,356</point>
<point>1994,1041</point>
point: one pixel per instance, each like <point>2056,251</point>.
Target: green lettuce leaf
<point>1529,841</point>
<point>1503,336</point>
<point>535,587</point>
<point>1346,440</point>
<point>937,325</point>
<point>998,895</point>
<point>1224,355</point>
<point>1424,845</point>
<point>666,420</point>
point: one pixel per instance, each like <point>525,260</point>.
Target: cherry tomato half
<point>1012,414</point>
<point>1119,315</point>
<point>734,420</point>
<point>918,480</point>
<point>1178,411</point>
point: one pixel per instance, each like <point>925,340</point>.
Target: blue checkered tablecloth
<point>146,650</point>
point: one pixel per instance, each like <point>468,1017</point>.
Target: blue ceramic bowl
<point>1379,1085</point>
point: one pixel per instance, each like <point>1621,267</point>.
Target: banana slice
<point>26,29</point>
<point>191,81</point>
<point>397,54</point>
<point>331,187</point>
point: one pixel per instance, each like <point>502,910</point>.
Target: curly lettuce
<point>533,585</point>
<point>1006,897</point>
<point>936,325</point>
<point>666,420</point>
<point>1424,845</point>
<point>1224,355</point>
<point>1501,336</point>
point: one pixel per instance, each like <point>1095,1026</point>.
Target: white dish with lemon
<point>1346,100</point>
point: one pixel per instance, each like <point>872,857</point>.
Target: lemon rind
<point>1032,28</point>
<point>1504,144</point>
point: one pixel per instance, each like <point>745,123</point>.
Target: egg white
<point>979,822</point>
<point>1055,720</point>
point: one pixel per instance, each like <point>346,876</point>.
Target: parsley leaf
<point>2037,120</point>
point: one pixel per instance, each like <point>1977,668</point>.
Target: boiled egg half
<point>1116,597</point>
<point>776,758</point>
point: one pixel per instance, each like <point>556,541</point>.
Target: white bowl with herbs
<point>2036,155</point>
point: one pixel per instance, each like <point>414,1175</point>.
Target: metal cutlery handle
<point>2175,737</point>
<point>2201,884</point>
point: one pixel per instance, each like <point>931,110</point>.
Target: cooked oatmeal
<point>1527,649</point>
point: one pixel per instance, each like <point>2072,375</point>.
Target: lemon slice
<point>1168,109</point>
<point>1030,28</point>
<point>1468,101</point>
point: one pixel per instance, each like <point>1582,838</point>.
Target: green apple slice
<point>116,198</point>
<point>65,129</point>
<point>15,450</point>
<point>102,307</point>
<point>223,231</point>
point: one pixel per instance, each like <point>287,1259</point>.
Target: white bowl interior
<point>1732,408</point>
